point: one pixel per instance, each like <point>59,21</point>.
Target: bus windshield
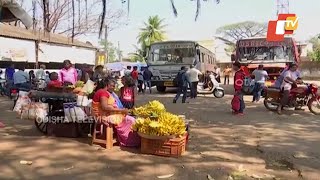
<point>267,53</point>
<point>172,53</point>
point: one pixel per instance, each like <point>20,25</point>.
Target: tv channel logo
<point>285,25</point>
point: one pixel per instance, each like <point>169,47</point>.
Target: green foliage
<point>236,31</point>
<point>315,55</point>
<point>113,51</point>
<point>139,55</point>
<point>152,32</point>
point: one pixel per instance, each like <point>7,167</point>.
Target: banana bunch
<point>171,124</point>
<point>79,84</point>
<point>165,124</point>
<point>153,108</point>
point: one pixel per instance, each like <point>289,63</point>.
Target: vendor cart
<point>56,101</point>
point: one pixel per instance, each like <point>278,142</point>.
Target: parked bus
<point>165,60</point>
<point>274,56</point>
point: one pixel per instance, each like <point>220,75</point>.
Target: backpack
<point>179,79</point>
<point>235,103</point>
<point>127,94</point>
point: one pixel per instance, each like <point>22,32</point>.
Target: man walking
<point>227,73</point>
<point>260,77</point>
<point>193,77</point>
<point>182,85</point>
<point>147,75</point>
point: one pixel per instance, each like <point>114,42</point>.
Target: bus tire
<point>161,89</point>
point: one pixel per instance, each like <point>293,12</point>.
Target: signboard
<point>173,45</point>
<point>56,53</point>
<point>17,50</point>
<point>264,43</point>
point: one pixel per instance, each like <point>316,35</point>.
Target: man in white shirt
<point>260,77</point>
<point>193,77</point>
<point>289,81</point>
<point>128,71</point>
<point>218,73</point>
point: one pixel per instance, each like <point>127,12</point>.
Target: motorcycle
<point>213,87</point>
<point>301,96</point>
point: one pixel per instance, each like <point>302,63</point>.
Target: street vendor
<point>68,74</point>
<point>108,108</point>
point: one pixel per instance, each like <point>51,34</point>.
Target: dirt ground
<point>259,145</point>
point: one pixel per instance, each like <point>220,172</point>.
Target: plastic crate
<point>171,147</point>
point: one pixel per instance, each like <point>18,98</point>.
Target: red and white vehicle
<point>273,55</point>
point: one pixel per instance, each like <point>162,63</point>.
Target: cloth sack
<point>34,111</point>
<point>83,101</point>
<point>73,113</point>
<point>23,99</point>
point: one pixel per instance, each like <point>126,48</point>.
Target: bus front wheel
<point>161,89</point>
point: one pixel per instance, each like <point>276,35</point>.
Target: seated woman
<point>108,108</point>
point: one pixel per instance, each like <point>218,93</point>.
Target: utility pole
<point>119,52</point>
<point>283,7</point>
<point>106,43</point>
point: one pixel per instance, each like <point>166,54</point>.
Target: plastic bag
<point>73,113</point>
<point>34,111</point>
<point>23,99</point>
<point>82,100</point>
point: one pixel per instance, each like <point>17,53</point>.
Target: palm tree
<point>175,12</point>
<point>138,55</point>
<point>152,32</point>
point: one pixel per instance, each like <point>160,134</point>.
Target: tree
<point>113,52</point>
<point>174,9</point>
<point>247,29</point>
<point>233,32</point>
<point>139,55</point>
<point>72,17</point>
<point>315,55</point>
<point>152,32</point>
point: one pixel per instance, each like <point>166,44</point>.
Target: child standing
<point>127,92</point>
<point>54,80</point>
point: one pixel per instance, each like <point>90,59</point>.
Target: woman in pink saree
<point>107,106</point>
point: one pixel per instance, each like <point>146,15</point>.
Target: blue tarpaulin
<point>119,66</point>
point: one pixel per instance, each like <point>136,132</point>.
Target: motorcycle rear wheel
<point>269,105</point>
<point>314,106</point>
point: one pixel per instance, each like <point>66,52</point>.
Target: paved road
<point>259,144</point>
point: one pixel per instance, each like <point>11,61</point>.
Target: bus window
<point>202,59</point>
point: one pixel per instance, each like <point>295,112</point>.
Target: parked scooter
<point>213,87</point>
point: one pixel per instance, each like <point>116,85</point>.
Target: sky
<point>212,16</point>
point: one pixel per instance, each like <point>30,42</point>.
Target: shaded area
<point>259,144</point>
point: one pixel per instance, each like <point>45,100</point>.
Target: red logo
<point>286,24</point>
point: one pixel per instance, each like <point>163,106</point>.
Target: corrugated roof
<point>12,11</point>
<point>21,33</point>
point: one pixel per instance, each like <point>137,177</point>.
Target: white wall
<point>17,50</point>
<point>55,53</point>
